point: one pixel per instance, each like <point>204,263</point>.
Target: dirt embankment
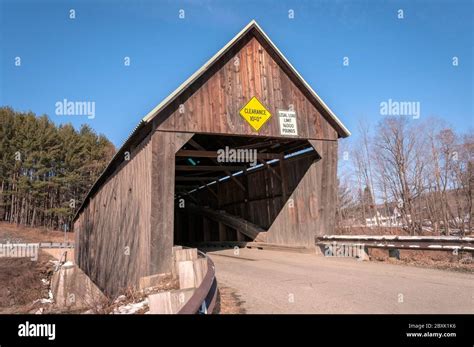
<point>445,260</point>
<point>16,234</point>
<point>22,280</point>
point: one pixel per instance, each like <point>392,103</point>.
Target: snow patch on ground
<point>131,308</point>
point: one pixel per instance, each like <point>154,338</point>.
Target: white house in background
<point>394,220</point>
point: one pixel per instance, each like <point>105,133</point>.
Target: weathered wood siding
<point>314,202</point>
<point>113,231</point>
<point>126,230</point>
<point>164,147</point>
<point>214,107</point>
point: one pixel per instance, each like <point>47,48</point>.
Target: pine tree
<point>44,168</point>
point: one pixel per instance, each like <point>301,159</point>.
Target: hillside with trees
<point>46,170</point>
<point>415,174</point>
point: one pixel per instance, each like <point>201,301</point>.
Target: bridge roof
<point>158,115</point>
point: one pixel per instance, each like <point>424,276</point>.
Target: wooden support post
<point>162,202</point>
<point>191,228</point>
<point>269,167</point>
<point>206,229</point>
<point>210,190</point>
<point>267,195</point>
<point>284,183</point>
<point>178,226</point>
<point>240,236</point>
<point>246,194</point>
<point>164,147</point>
<point>222,232</point>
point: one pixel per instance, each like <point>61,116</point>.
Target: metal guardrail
<point>431,243</point>
<point>203,300</point>
<point>56,245</point>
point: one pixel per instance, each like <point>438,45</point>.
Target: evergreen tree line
<point>46,170</point>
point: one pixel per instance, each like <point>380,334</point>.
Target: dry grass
<point>21,283</point>
<point>16,234</point>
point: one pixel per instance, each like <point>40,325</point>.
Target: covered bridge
<point>244,150</point>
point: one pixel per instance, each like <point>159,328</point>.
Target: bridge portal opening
<point>230,189</point>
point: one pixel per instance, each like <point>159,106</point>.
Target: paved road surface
<point>278,282</point>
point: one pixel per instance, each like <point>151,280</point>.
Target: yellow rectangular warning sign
<point>255,113</point>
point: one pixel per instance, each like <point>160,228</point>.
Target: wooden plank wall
<point>126,231</point>
<point>113,231</point>
<point>314,202</point>
<point>134,207</point>
<point>164,147</point>
<point>214,107</point>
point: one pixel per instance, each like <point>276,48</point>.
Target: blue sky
<point>82,59</point>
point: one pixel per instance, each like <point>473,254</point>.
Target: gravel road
<point>278,282</point>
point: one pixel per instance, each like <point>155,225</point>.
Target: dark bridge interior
<point>234,199</point>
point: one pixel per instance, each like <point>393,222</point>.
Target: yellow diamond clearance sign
<point>255,113</point>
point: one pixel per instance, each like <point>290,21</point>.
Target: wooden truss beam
<point>201,148</point>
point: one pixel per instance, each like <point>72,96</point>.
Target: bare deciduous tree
<point>422,169</point>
